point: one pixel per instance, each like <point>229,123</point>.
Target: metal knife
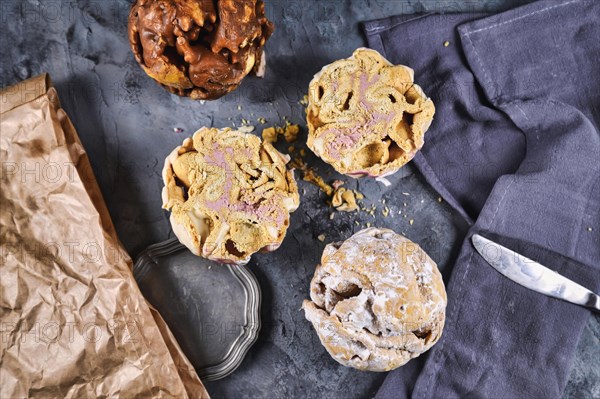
<point>533,275</point>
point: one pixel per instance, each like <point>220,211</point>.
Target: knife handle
<point>593,302</point>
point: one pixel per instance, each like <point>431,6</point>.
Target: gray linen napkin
<point>515,148</point>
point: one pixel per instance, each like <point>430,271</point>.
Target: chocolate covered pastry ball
<point>366,116</point>
<point>229,193</point>
<point>377,300</point>
<point>199,48</point>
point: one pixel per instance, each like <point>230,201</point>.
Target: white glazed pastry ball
<point>377,300</point>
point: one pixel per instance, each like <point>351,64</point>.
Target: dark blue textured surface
<point>127,122</point>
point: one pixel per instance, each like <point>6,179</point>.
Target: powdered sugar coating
<point>378,300</point>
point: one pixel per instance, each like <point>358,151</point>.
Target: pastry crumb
<point>304,100</point>
<point>590,229</point>
<point>246,129</point>
<point>291,133</point>
<point>344,200</point>
<point>321,237</point>
<point>446,43</point>
<point>269,135</point>
<point>311,177</point>
<point>411,221</point>
<point>440,199</point>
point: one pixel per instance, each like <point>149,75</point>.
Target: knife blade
<point>533,275</point>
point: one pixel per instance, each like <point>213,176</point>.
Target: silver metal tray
<point>212,309</point>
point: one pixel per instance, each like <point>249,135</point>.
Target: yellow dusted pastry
<point>366,116</point>
<point>229,193</point>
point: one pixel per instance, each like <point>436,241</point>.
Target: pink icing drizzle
<point>260,211</point>
<point>347,138</point>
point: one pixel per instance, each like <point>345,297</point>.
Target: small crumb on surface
<point>411,221</point>
<point>246,129</point>
<point>590,229</point>
<point>178,130</point>
<point>344,200</point>
<point>290,133</point>
<point>269,135</point>
<point>321,237</point>
<point>446,43</point>
<point>311,177</point>
<point>440,199</point>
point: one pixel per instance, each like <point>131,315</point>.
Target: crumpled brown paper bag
<point>73,321</point>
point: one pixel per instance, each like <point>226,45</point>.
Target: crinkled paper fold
<point>73,321</point>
